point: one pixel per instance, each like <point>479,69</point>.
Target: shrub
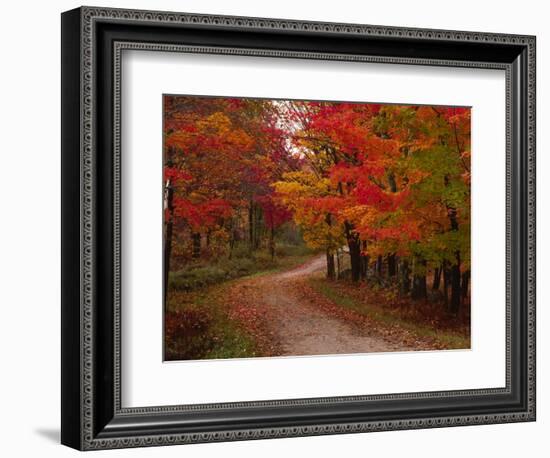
<point>243,262</point>
<point>185,334</point>
<point>288,249</point>
<point>195,277</point>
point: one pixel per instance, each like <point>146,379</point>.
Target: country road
<point>295,321</point>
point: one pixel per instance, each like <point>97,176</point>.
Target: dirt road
<point>295,320</point>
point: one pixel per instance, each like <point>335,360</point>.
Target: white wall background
<point>30,240</point>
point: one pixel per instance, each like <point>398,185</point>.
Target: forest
<point>337,214</point>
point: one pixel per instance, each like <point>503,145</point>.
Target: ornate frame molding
<point>88,434</point>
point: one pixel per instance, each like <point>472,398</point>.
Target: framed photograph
<point>276,228</point>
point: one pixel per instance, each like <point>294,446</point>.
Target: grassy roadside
<point>446,339</point>
<point>201,273</point>
<point>205,323</point>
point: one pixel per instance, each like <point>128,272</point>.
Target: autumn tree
<point>313,202</point>
<point>395,180</point>
<point>221,156</point>
<point>391,183</point>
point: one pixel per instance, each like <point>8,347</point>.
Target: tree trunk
<point>455,285</point>
<point>365,259</point>
<point>446,283</point>
<point>331,273</point>
<point>196,237</point>
<point>455,268</point>
<point>272,242</point>
<point>258,225</point>
<point>169,229</point>
<point>404,279</point>
<point>379,264</point>
<point>354,252</point>
<point>391,265</point>
<point>464,286</point>
<point>355,258</point>
<point>419,288</point>
<point>254,221</point>
<point>251,225</point>
<point>338,263</point>
<point>437,279</point>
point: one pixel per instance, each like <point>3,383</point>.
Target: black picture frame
<point>92,416</point>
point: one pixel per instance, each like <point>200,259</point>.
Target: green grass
<point>446,338</point>
<point>203,330</point>
<point>243,263</point>
<point>229,340</point>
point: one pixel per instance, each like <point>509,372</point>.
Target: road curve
<point>298,325</point>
